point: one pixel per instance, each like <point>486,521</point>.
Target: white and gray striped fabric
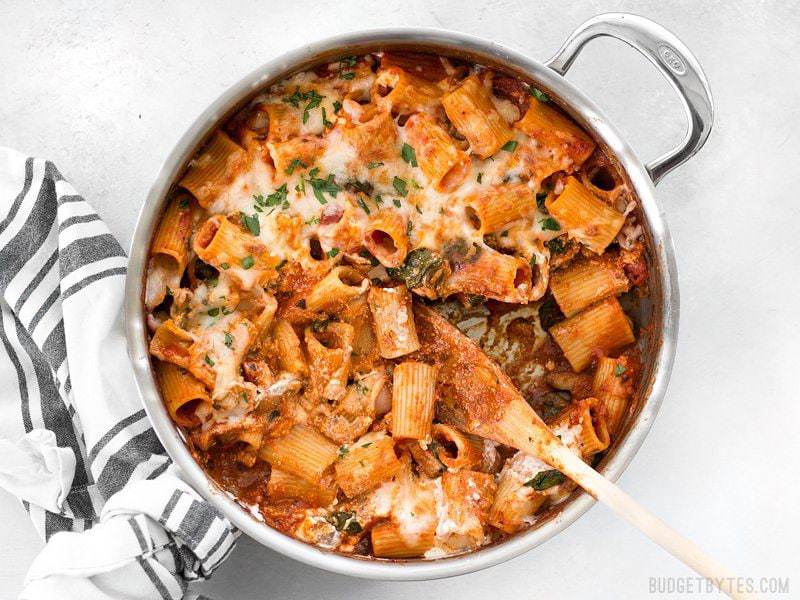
<point>75,444</point>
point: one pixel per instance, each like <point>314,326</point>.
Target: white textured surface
<point>104,90</point>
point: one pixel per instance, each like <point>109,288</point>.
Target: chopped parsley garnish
<point>294,99</point>
<point>248,262</point>
<point>346,522</point>
<point>348,61</point>
<point>556,246</point>
<point>545,480</point>
<point>378,199</point>
<point>337,106</point>
<point>213,312</point>
<point>480,177</point>
<point>367,445</point>
<point>343,450</point>
<point>347,76</point>
<point>251,222</point>
<point>313,221</point>
<point>313,102</point>
<point>325,123</point>
<point>409,155</point>
<point>396,202</point>
<point>510,146</point>
<point>415,185</point>
<point>363,205</point>
<point>374,164</point>
<point>332,252</point>
<point>228,339</point>
<point>533,261</point>
<point>550,224</point>
<point>275,198</point>
<point>224,266</point>
<point>295,164</point>
<point>400,186</point>
<point>208,361</point>
<point>540,198</point>
<point>322,186</point>
<point>184,203</point>
<point>538,94</point>
<point>619,370</point>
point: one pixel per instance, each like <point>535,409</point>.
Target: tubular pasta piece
<point>283,485</point>
<point>407,93</point>
<point>303,452</point>
<point>215,168</point>
<point>554,130</point>
<point>583,283</point>
<point>366,465</point>
<point>386,237</point>
<point>614,388</point>
<point>586,218</point>
<point>497,207</point>
<point>329,354</point>
<point>598,330</point>
<point>336,289</point>
<point>443,163</point>
<point>470,109</point>
<point>182,392</point>
<point>393,318</point>
<point>170,343</point>
<point>412,400</point>
<point>493,275</point>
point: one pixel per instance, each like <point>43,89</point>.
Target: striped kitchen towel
<point>75,444</point>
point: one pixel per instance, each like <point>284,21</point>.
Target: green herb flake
<point>320,325</point>
<point>480,177</point>
<point>400,186</point>
<point>364,253</point>
<point>396,202</point>
<point>367,445</point>
<point>343,450</point>
<point>332,252</point>
<point>545,480</point>
<point>208,361</point>
<point>251,222</point>
<point>346,522</point>
<point>619,370</point>
<point>550,224</point>
<point>228,339</point>
<point>213,312</point>
<point>409,155</point>
<point>510,146</point>
<point>224,266</point>
<point>533,261</point>
<point>323,186</point>
<point>538,94</point>
<point>337,106</point>
<point>248,262</point>
<point>378,199</point>
<point>295,164</point>
<point>363,205</point>
<point>184,203</point>
<point>325,122</point>
<point>347,76</point>
<point>422,267</point>
<point>279,196</point>
<point>348,61</point>
<point>313,221</point>
<point>313,102</point>
<point>374,164</point>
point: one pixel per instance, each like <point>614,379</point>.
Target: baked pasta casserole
<point>365,242</point>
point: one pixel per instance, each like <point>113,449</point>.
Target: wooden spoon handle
<point>637,515</point>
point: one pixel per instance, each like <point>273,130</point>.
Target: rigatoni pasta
<point>291,282</point>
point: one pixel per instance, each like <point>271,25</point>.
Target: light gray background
<point>105,90</point>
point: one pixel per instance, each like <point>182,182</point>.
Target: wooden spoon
<point>476,396</point>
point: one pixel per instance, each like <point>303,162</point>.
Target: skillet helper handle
<point>671,57</point>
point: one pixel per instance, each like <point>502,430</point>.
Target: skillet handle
<point>671,57</point>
